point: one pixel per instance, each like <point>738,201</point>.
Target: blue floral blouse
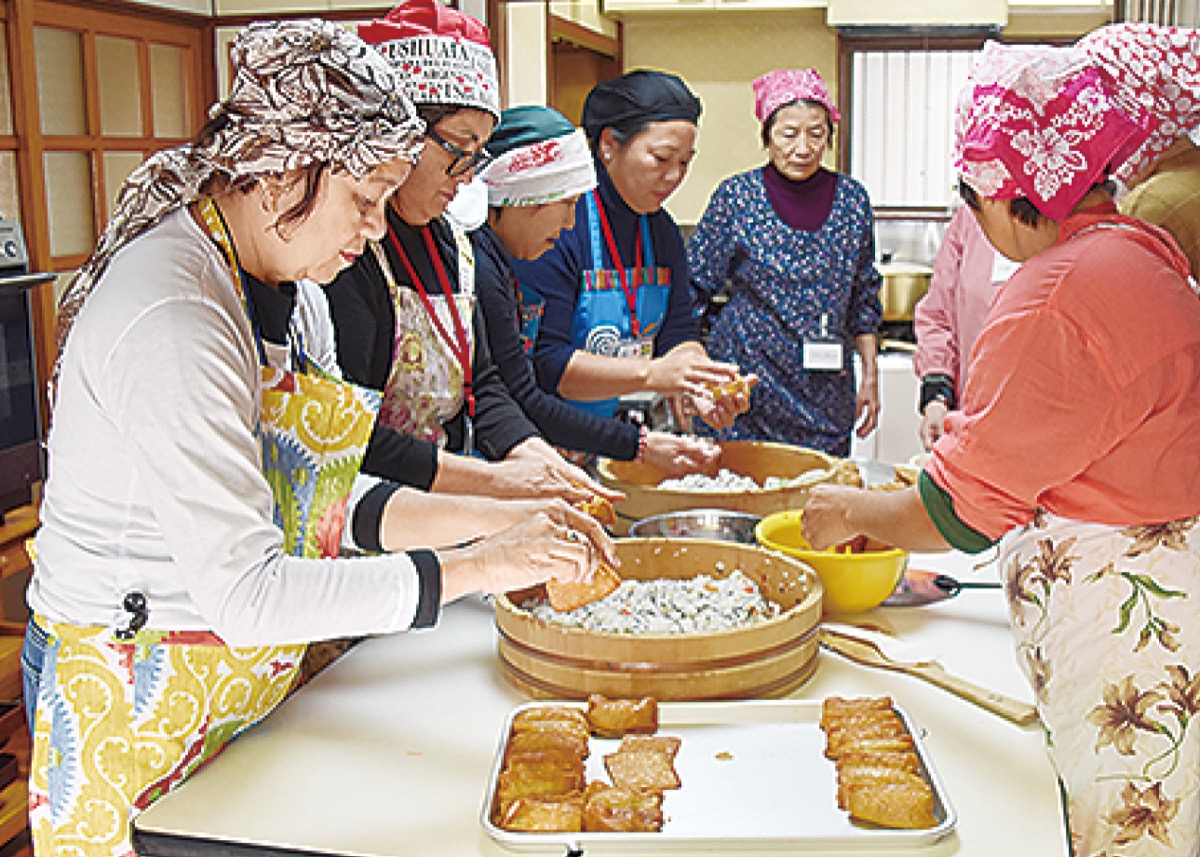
<point>781,281</point>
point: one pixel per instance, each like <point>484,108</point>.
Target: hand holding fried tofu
<point>600,509</point>
<point>571,595</point>
<point>734,396</point>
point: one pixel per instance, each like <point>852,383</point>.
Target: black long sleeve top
<point>561,423</point>
<point>365,323</point>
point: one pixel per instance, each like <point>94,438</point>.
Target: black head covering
<point>635,98</point>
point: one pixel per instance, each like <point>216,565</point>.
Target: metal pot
<point>904,283</point>
<point>721,524</point>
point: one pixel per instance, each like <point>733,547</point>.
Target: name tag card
<point>823,355</point>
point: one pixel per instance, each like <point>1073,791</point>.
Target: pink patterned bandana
<point>784,86</point>
<point>1153,70</point>
<point>1041,123</point>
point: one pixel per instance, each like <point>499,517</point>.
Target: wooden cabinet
<point>17,529</point>
<point>618,8</point>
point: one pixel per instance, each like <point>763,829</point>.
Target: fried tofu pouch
<point>892,805</point>
<point>668,744</point>
<point>642,771</point>
<point>737,390</point>
<point>552,718</point>
<point>600,509</point>
<point>571,595</point>
<point>619,810</point>
<point>562,813</point>
<point>613,718</point>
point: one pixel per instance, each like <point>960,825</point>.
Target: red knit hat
<point>441,55</point>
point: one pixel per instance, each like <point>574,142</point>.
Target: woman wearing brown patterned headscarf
<point>203,452</point>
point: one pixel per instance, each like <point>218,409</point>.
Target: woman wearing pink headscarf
<point>1156,69</point>
<point>1077,450</point>
<point>797,243</point>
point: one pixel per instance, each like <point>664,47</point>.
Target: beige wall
<point>718,56</point>
<point>585,13</point>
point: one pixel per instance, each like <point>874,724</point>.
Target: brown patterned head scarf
<point>304,92</point>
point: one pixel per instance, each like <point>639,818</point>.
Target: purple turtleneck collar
<point>801,204</point>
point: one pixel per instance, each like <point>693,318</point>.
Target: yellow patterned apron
<point>124,715</point>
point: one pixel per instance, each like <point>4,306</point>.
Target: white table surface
<point>388,753</point>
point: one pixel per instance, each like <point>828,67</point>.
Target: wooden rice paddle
<point>865,652</point>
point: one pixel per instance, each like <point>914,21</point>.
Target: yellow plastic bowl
<point>853,581</point>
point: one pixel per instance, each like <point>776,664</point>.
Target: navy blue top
<point>561,423</point>
<point>557,273</point>
<point>781,281</point>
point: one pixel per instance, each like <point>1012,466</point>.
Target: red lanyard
<point>630,291</point>
<point>458,344</point>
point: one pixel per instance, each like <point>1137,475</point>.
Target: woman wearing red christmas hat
<point>406,315</point>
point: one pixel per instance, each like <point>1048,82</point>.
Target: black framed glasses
<point>463,161</point>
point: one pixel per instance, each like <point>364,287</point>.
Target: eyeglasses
<point>464,161</point>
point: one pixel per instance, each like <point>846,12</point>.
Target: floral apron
<point>620,309</point>
<point>124,715</point>
<point>1107,631</point>
<point>427,384</point>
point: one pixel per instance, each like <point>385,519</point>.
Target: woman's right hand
<point>526,554</point>
<point>679,455</point>
<point>933,423</point>
<point>686,370</point>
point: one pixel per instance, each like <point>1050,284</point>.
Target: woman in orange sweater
<point>1077,449</point>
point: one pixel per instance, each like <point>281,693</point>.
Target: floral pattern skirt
<point>119,724</point>
<point>1107,629</point>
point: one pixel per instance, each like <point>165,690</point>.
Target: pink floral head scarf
<point>785,86</point>
<point>1042,123</point>
<point>1154,71</point>
<point>303,92</point>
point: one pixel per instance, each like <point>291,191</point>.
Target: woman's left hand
<point>867,406</point>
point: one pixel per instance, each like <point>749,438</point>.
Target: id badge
<point>468,440</point>
<point>640,348</point>
<point>823,355</point>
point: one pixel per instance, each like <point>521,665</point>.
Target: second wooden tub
<point>768,659</point>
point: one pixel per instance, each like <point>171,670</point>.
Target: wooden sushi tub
<point>767,659</point>
<point>639,481</point>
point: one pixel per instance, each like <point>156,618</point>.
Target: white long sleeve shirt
<point>155,482</point>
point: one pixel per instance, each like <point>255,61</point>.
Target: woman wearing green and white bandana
<point>542,166</point>
<point>192,520</point>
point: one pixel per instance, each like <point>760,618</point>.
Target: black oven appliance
<point>21,459</point>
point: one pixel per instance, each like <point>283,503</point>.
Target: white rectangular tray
<point>753,776</point>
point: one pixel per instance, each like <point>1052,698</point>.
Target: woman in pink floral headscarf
<point>796,241</point>
<point>1077,450</point>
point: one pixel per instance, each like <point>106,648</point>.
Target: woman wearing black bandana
<point>616,314</point>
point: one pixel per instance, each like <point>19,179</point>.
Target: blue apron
<point>603,323</point>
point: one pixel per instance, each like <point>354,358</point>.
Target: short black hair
<point>1020,208</point>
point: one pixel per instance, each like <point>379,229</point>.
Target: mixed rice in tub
<point>699,605</point>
